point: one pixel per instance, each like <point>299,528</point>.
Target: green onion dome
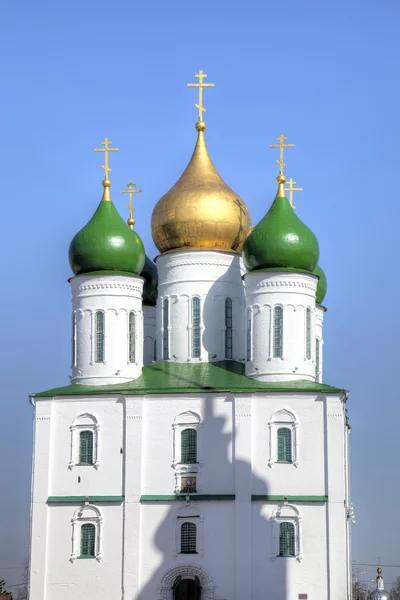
<point>106,243</point>
<point>150,288</point>
<point>322,285</point>
<point>281,239</point>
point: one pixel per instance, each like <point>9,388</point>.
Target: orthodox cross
<point>106,150</point>
<point>200,76</point>
<point>130,191</point>
<point>292,189</point>
<point>281,147</point>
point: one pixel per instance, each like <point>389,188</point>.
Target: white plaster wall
<point>319,322</point>
<point>295,292</point>
<point>149,323</point>
<point>212,276</point>
<point>116,295</point>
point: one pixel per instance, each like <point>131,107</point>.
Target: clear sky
<point>324,73</point>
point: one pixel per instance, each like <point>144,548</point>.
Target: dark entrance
<point>187,589</point>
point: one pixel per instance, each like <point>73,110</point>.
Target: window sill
<point>84,465</point>
<point>286,556</point>
<point>188,552</point>
<point>188,463</point>
<point>84,556</point>
<point>284,462</point>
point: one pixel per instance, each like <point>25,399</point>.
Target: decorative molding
<point>279,283</point>
<point>78,499</point>
<point>335,415</point>
<point>184,497</point>
<point>139,417</point>
<point>269,498</point>
<point>43,419</point>
<point>165,591</point>
<point>109,286</point>
<point>86,514</point>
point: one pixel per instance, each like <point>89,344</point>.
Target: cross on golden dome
<point>130,191</point>
<point>200,76</point>
<point>281,147</point>
<point>292,189</point>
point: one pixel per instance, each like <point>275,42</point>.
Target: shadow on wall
<point>231,557</point>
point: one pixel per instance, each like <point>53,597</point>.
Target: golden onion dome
<point>200,211</point>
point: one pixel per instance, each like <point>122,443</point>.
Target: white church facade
<point>197,453</point>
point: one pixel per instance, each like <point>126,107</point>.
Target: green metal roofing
<point>177,378</point>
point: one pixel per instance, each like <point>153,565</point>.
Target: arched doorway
<point>187,589</point>
<point>172,578</point>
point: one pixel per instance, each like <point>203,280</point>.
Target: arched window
<point>86,448</point>
<point>88,540</point>
<point>186,588</point>
<point>132,337</point>
<point>317,359</point>
<point>195,327</point>
<point>99,336</point>
<point>308,334</point>
<point>73,339</point>
<point>278,332</point>
<point>165,329</point>
<point>284,441</point>
<point>188,538</point>
<point>286,539</point>
<point>228,328</point>
<point>249,333</point>
<point>189,446</point>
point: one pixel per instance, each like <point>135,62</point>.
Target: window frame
<point>186,420</point>
<point>189,443</point>
<point>279,429</point>
<point>91,432</point>
<point>249,335</point>
<point>283,419</point>
<point>189,513</point>
<point>84,422</point>
<point>195,328</point>
<point>228,328</point>
<point>318,344</point>
<point>286,513</point>
<point>292,541</point>
<point>308,333</point>
<point>277,348</point>
<point>92,527</point>
<point>86,515</point>
<point>97,359</point>
<point>191,527</point>
<point>73,341</point>
<point>132,337</point>
<point>165,329</point>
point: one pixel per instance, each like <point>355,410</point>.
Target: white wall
<point>117,296</point>
<point>213,277</point>
<point>294,292</point>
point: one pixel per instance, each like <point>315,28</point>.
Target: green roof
<point>177,378</point>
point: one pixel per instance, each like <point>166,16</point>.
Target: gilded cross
<point>200,76</point>
<point>106,150</point>
<point>281,147</point>
<point>130,191</point>
<point>292,189</point>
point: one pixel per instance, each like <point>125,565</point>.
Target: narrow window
<point>284,445</point>
<point>99,336</point>
<point>286,539</point>
<point>308,334</point>
<point>188,538</point>
<point>189,446</point>
<point>86,448</point>
<point>165,329</point>
<point>228,328</point>
<point>195,327</point>
<point>278,332</point>
<point>155,350</point>
<point>132,336</point>
<point>88,536</point>
<point>249,334</point>
<point>74,339</point>
<point>317,359</point>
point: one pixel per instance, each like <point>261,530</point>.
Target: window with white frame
<point>165,333</point>
<point>188,531</point>
<point>99,336</point>
<point>186,452</point>
<point>249,334</point>
<point>287,532</point>
<point>196,331</point>
<point>283,438</point>
<point>86,533</point>
<point>278,332</point>
<point>84,445</point>
<point>228,328</point>
<point>132,337</point>
<point>308,334</point>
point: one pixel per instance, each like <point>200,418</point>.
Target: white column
<point>294,292</point>
<point>213,277</point>
<point>149,326</point>
<point>319,321</point>
<point>117,296</point>
<point>39,495</point>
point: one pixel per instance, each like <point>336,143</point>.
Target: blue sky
<point>326,74</point>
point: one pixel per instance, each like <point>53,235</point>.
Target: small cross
<point>292,189</point>
<point>200,76</point>
<point>130,191</point>
<point>281,146</point>
<point>106,150</point>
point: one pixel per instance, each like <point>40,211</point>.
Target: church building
<point>197,453</point>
